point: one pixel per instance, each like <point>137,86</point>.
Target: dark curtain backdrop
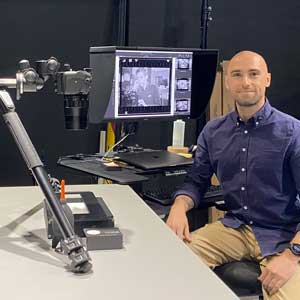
<point>268,27</point>
<point>66,29</point>
<point>37,30</point>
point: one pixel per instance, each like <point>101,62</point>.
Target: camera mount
<point>73,85</point>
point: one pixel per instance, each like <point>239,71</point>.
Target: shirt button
<point>243,169</point>
<point>251,222</point>
<point>245,207</point>
<point>244,149</point>
<point>246,131</point>
<point>237,123</point>
<point>242,188</point>
<point>256,123</point>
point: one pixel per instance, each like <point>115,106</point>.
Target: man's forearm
<point>184,201</point>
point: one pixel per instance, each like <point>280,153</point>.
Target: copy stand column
<point>71,244</point>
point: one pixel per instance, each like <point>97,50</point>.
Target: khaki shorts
<point>217,244</point>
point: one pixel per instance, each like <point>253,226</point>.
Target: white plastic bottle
<point>178,133</point>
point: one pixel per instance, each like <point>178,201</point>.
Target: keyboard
<point>163,195</point>
<point>213,191</point>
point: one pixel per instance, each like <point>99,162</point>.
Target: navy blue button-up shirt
<point>258,166</point>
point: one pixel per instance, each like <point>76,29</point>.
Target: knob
<point>30,76</point>
<point>67,67</point>
<point>24,64</point>
<point>52,64</point>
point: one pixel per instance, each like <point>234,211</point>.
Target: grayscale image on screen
<point>182,105</point>
<point>184,63</point>
<point>144,86</point>
<point>183,84</point>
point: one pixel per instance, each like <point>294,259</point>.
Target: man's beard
<point>247,103</point>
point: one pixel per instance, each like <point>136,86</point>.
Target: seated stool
<point>241,277</point>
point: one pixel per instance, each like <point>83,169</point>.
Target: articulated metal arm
<point>71,244</point>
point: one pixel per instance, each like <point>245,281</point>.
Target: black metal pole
<point>205,19</point>
<point>122,39</point>
<point>42,179</point>
<point>71,244</point>
<point>204,24</point>
<point>123,20</point>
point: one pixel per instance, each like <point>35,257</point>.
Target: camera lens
<point>76,112</point>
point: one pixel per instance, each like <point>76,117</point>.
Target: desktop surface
<point>154,263</point>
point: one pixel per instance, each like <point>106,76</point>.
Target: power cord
<point>113,146</point>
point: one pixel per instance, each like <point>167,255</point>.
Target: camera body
<point>75,87</point>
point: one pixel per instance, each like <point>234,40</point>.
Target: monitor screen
<point>145,86</point>
<point>150,84</point>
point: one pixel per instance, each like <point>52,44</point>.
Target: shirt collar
<point>258,117</point>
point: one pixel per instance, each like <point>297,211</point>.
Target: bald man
<point>255,153</point>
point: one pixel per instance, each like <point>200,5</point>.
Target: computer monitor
<point>146,83</point>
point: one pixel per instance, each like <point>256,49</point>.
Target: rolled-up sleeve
<point>198,177</point>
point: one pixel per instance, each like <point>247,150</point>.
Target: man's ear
<point>226,82</point>
<point>268,83</point>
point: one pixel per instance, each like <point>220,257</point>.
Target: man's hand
<point>177,219</point>
<point>278,271</point>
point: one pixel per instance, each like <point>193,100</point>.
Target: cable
<point>113,146</point>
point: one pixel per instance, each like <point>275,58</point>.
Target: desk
<point>154,263</point>
<point>95,167</point>
<point>128,174</point>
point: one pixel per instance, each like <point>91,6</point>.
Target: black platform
<point>94,166</point>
